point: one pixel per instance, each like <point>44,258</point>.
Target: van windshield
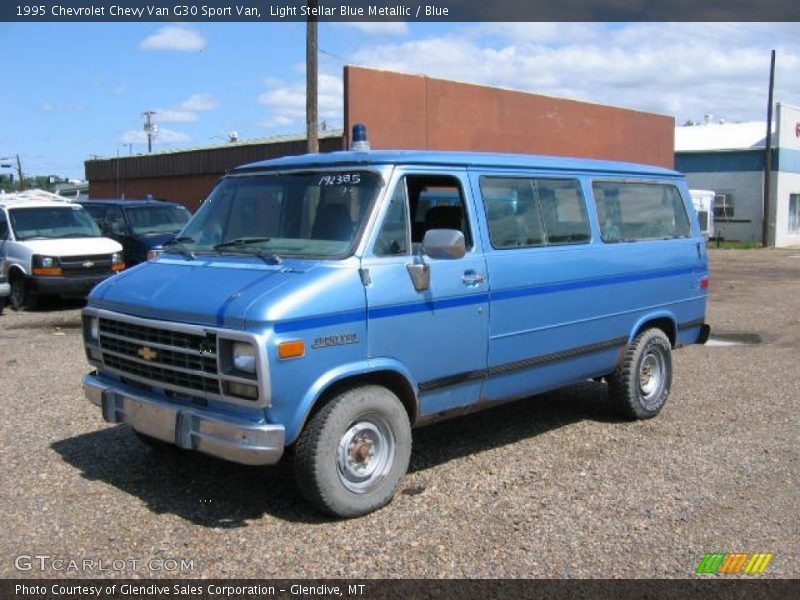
<point>45,222</point>
<point>147,220</point>
<point>314,214</point>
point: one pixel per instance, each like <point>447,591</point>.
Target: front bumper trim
<point>227,438</point>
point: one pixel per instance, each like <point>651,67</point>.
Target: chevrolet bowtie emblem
<point>88,264</point>
<point>147,354</point>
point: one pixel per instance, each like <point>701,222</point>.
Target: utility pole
<point>311,78</point>
<point>768,156</point>
<point>19,172</point>
<point>150,128</point>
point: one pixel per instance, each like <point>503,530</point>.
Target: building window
<point>794,213</point>
<point>723,206</point>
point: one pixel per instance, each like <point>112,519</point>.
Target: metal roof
<point>126,202</point>
<point>204,160</point>
<point>721,136</point>
<point>489,160</point>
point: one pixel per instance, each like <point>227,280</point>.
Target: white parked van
<point>703,201</point>
<point>52,247</point>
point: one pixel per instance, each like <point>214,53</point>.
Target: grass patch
<point>733,245</point>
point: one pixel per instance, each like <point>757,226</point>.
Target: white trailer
<point>703,201</point>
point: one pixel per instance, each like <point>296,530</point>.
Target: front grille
<point>76,266</point>
<point>161,356</point>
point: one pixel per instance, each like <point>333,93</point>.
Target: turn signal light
<point>704,283</point>
<point>49,271</point>
<point>118,267</point>
<point>291,349</point>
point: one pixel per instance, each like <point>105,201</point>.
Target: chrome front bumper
<point>231,439</point>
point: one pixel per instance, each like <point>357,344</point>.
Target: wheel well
<point>15,273</point>
<point>391,380</point>
<point>665,324</point>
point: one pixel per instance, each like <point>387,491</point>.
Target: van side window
<point>436,202</point>
<point>630,211</point>
<point>97,213</point>
<point>512,211</point>
<point>3,227</point>
<point>393,237</point>
<point>525,212</point>
<point>563,211</point>
<point>116,221</point>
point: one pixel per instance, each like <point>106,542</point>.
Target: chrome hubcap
<point>365,454</point>
<point>651,376</point>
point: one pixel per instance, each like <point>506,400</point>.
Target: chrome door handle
<point>472,279</point>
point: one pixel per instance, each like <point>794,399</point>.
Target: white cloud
<point>174,37</point>
<point>199,102</point>
<point>169,115</point>
<point>681,69</point>
<point>47,107</point>
<point>186,111</point>
<point>378,28</point>
<point>287,101</point>
<point>164,136</point>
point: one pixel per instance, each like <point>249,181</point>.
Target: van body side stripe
<point>580,284</point>
<point>381,312</point>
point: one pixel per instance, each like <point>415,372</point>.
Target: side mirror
<point>444,243</point>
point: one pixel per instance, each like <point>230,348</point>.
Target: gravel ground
<point>552,486</point>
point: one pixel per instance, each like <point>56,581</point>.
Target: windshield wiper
<point>241,242</point>
<point>180,247</point>
<point>240,245</point>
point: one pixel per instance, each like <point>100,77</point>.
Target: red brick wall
<point>416,112</point>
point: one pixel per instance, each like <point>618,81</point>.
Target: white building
<point>729,159</point>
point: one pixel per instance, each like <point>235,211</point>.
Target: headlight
<point>117,264</point>
<point>46,265</point>
<point>92,329</point>
<point>244,357</point>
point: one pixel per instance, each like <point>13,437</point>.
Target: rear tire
<point>353,453</point>
<point>640,385</point>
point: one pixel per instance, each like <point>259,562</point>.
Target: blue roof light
<point>359,141</point>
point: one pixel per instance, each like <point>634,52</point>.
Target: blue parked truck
<point>332,302</point>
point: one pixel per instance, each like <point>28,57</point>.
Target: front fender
<point>337,375</point>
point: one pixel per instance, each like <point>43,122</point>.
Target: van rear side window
<point>630,211</point>
<point>523,212</point>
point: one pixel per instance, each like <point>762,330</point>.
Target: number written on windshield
<point>340,179</point>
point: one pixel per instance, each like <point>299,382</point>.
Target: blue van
<point>139,225</point>
<point>331,302</point>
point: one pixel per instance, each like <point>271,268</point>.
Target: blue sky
<point>73,90</point>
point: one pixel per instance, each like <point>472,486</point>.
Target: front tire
<point>353,453</point>
<point>640,385</point>
<point>20,296</point>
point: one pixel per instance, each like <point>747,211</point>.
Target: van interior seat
<point>444,217</point>
<point>332,223</point>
